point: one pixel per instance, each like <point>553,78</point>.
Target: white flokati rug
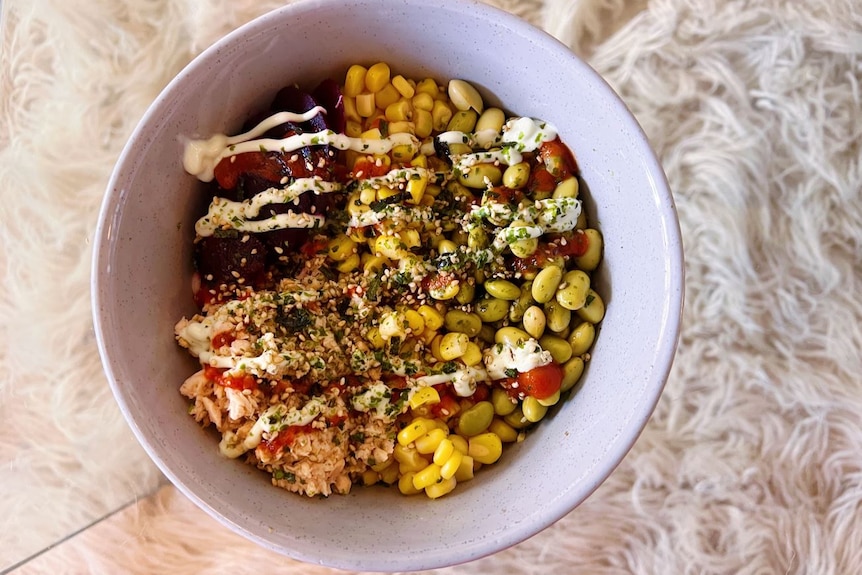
<point>752,462</point>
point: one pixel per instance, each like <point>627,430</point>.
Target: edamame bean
<point>487,333</point>
<point>574,292</point>
<point>556,316</point>
<point>534,321</point>
<point>502,289</point>
<point>476,419</point>
<point>503,404</point>
<point>516,419</point>
<point>552,400</point>
<point>582,337</point>
<point>524,248</point>
<point>491,119</point>
<point>516,175</point>
<point>533,410</point>
<point>460,321</point>
<point>477,238</point>
<point>572,371</point>
<point>594,308</point>
<point>591,258</point>
<point>464,96</point>
<point>458,148</point>
<point>446,291</point>
<point>581,224</point>
<point>475,177</point>
<point>473,355</point>
<point>503,430</point>
<point>546,283</point>
<point>560,349</point>
<point>463,121</point>
<point>453,345</point>
<point>466,293</point>
<point>525,300</point>
<point>491,309</point>
<point>566,189</point>
<point>511,335</point>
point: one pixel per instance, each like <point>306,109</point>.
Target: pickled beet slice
<point>292,99</point>
<point>228,259</point>
<point>328,94</point>
<point>269,166</point>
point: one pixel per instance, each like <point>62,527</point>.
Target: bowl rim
<point>673,300</point>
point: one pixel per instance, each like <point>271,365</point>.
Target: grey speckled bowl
<point>142,269</point>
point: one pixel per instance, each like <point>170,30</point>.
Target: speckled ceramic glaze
<point>142,270</point>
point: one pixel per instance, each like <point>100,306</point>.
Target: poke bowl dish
<point>392,301</point>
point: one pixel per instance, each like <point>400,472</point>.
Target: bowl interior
<point>142,275</point>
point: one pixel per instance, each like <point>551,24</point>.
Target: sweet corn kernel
<point>440,115</point>
<point>405,484</point>
<point>427,86</point>
<point>435,348</point>
<point>416,429</point>
<point>433,318</point>
<point>354,80</point>
<point>428,443</point>
<point>425,477</point>
<point>423,123</point>
<point>374,263</point>
<point>350,112</point>
<point>374,338</point>
<point>348,265</point>
<point>403,86</point>
<point>377,77</point>
<point>387,192</point>
<point>353,129</point>
<point>370,477</point>
<point>340,248</point>
<point>443,452</point>
<point>367,196</point>
<point>365,105</point>
<point>459,442</point>
<point>423,101</point>
<point>399,111</point>
<point>386,96</point>
<point>451,465</point>
<point>423,396</point>
<point>390,474</point>
<point>419,161</point>
<point>403,153</point>
<point>465,470</point>
<point>416,187</point>
<point>415,321</point>
<point>371,134</point>
<point>403,127</point>
<point>390,247</point>
<point>473,355</point>
<point>485,447</point>
<point>441,488</point>
<point>409,457</point>
<point>381,465</point>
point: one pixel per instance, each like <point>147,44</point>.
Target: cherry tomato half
<point>541,382</point>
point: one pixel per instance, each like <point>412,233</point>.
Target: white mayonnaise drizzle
<point>226,213</point>
<point>523,357</point>
<point>202,156</point>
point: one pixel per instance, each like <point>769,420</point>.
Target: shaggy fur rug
<point>752,462</point>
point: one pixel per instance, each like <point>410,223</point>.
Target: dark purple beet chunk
<point>328,94</point>
<point>220,257</point>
